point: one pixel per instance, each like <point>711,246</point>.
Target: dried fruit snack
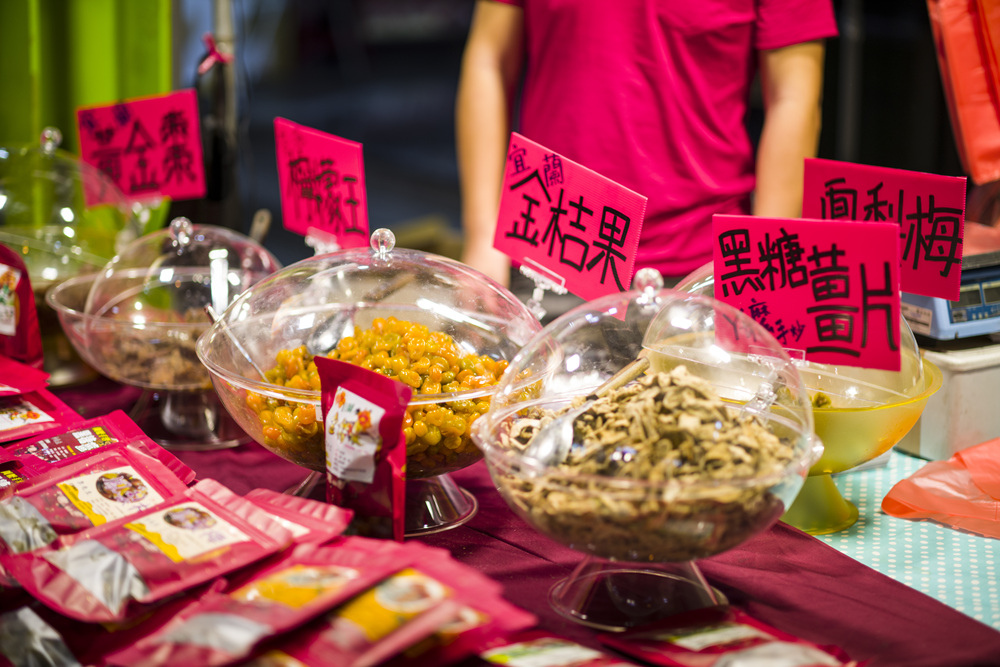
<point>429,362</point>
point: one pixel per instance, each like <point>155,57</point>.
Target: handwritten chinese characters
<point>826,290</point>
<point>567,222</point>
<point>149,147</point>
<point>928,209</point>
<point>322,184</point>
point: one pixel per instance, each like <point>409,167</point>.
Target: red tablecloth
<point>783,577</point>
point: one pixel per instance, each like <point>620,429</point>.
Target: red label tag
<point>322,180</point>
<point>149,147</point>
<point>567,222</point>
<point>928,209</point>
<point>826,289</point>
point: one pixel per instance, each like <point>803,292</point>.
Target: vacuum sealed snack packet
<point>17,378</point>
<point>363,414</point>
<point>108,485</point>
<point>32,413</point>
<point>401,611</point>
<point>479,621</point>
<point>722,636</point>
<point>113,430</point>
<point>225,627</point>
<point>540,648</point>
<point>309,521</point>
<point>27,639</point>
<point>95,490</point>
<point>112,572</point>
<point>20,334</point>
<point>33,634</point>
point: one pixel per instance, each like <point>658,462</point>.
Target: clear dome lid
<point>573,355</point>
<point>658,469</point>
<point>361,305</point>
<point>139,319</point>
<point>842,386</point>
<point>171,275</point>
<point>65,216</point>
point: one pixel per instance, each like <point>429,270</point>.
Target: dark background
<point>384,73</point>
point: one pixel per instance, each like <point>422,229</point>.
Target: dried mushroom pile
<point>673,435</point>
<point>160,355</point>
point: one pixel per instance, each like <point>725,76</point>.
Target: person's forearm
<point>792,80</point>
<point>789,136</point>
<point>489,76</point>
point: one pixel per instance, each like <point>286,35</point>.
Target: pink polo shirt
<point>654,94</point>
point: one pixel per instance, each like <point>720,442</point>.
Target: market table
<point>783,576</point>
<point>959,568</point>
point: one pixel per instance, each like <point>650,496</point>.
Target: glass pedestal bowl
<point>648,484</point>
<point>66,218</point>
<point>137,322</point>
<point>260,352</point>
<point>859,414</point>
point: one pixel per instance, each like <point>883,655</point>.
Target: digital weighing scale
<point>975,313</point>
<point>960,338</point>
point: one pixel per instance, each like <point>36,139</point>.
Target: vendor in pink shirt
<point>653,94</point>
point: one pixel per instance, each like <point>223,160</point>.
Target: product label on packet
<point>9,279</point>
<point>110,494</point>
<point>187,531</point>
<point>352,437</point>
<point>17,411</point>
<point>298,585</point>
<point>365,448</point>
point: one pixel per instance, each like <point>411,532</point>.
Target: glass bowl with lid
<point>137,321</point>
<point>859,414</point>
<point>435,324</point>
<point>695,434</point>
<point>66,218</point>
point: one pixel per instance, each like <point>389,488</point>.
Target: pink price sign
<point>322,180</point>
<point>928,210</point>
<point>150,147</point>
<point>566,222</point>
<point>827,290</point>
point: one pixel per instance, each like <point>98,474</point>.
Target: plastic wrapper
<point>538,648</point>
<point>20,336</point>
<point>722,637</point>
<point>33,634</point>
<point>17,378</point>
<point>479,621</point>
<point>309,521</point>
<point>111,431</point>
<point>223,628</point>
<point>27,639</point>
<point>108,486</point>
<point>962,492</point>
<point>407,608</point>
<point>114,571</point>
<point>32,413</point>
<point>363,414</point>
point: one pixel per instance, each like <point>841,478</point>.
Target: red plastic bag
<point>962,492</point>
<point>967,35</point>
